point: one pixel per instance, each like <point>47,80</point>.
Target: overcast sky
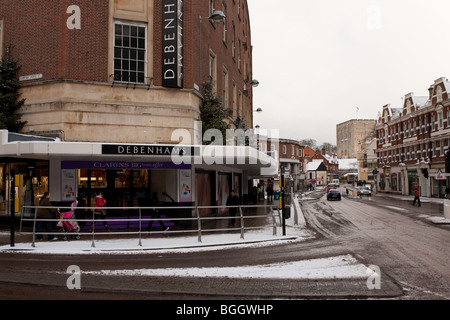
<point>318,61</point>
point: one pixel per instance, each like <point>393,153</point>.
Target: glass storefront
<point>121,188</point>
<point>31,181</point>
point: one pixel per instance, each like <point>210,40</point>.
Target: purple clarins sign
<point>122,165</point>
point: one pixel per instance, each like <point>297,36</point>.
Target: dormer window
<point>439,94</point>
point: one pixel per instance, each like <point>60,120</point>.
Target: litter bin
<point>447,209</point>
<point>287,212</point>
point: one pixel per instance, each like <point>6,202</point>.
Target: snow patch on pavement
<point>180,244</point>
<point>339,267</point>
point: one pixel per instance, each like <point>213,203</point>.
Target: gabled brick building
<point>412,141</point>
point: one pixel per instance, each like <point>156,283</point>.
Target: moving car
<point>331,186</point>
<point>333,194</point>
<point>364,191</point>
<point>336,182</point>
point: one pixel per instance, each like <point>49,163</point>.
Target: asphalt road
<point>411,253</point>
<point>391,234</point>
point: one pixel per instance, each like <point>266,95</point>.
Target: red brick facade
<point>38,34</point>
<point>43,43</point>
<point>412,141</point>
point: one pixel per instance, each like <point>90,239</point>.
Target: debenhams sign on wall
<point>172,43</point>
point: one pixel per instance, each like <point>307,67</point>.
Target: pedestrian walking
<point>416,195</point>
<point>269,193</point>
<point>80,212</point>
<point>233,201</point>
<point>100,211</point>
<point>46,214</point>
<point>154,203</point>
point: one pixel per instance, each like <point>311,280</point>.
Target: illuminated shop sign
<point>155,150</point>
<point>172,41</point>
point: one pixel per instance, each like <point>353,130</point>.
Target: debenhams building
<point>109,87</point>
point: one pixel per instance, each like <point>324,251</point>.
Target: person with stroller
<point>100,212</point>
<point>44,214</point>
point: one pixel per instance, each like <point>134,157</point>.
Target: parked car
<point>364,191</point>
<point>334,194</point>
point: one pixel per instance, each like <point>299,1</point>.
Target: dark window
<point>129,53</point>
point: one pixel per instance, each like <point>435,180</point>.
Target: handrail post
<point>93,229</point>
<point>242,222</point>
<point>34,228</point>
<point>199,224</point>
<point>274,224</point>
<point>140,228</point>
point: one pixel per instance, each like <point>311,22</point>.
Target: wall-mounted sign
<point>172,41</point>
<point>185,185</point>
<point>69,185</point>
<point>31,77</point>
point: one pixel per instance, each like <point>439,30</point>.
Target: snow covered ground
<point>170,243</point>
<point>339,267</point>
<point>335,267</point>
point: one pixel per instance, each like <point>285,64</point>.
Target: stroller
<point>67,224</point>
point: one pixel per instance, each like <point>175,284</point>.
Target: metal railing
<point>155,214</point>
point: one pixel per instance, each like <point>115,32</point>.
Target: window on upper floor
<point>448,118</point>
<point>213,69</point>
<point>211,7</point>
<point>2,26</point>
<point>233,40</point>
<point>224,34</point>
<point>130,52</point>
<point>225,88</point>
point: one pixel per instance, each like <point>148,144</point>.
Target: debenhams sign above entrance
<point>136,150</point>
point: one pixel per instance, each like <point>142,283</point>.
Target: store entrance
<point>121,188</point>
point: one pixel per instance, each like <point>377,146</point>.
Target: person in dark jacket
<point>233,200</point>
<point>155,214</point>
<point>81,211</point>
<point>45,213</point>
<point>416,195</point>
